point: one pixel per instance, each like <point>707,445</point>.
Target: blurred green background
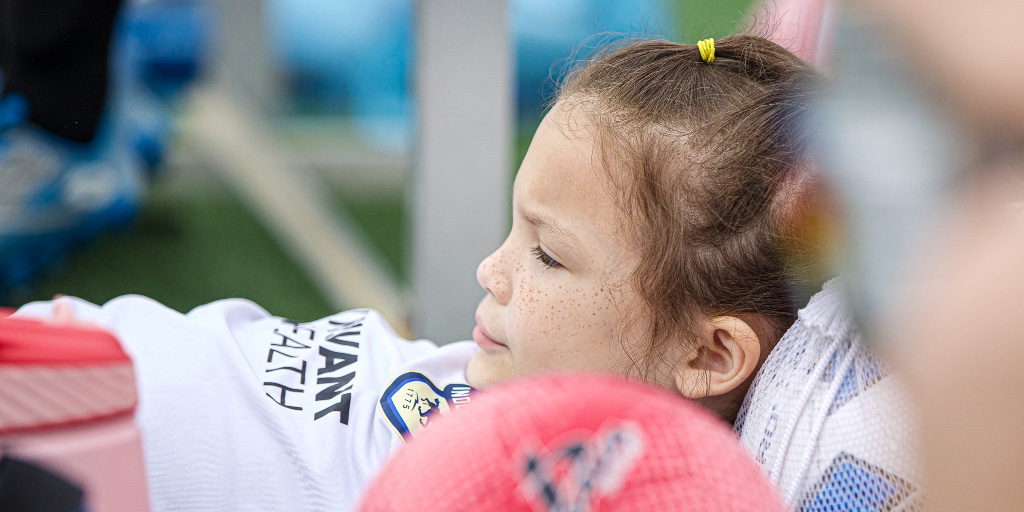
<point>196,242</point>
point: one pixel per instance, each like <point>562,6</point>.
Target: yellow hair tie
<point>707,49</point>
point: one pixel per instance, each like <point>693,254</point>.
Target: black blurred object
<point>56,54</point>
<point>25,487</point>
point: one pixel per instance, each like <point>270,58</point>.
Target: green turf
<point>186,250</point>
<point>383,219</point>
<point>699,19</point>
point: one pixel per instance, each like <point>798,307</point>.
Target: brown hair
<point>711,162</point>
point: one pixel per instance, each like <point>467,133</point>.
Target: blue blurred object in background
<point>59,194</point>
<point>547,32</point>
<point>355,58</point>
<point>169,42</point>
<point>161,47</point>
<point>348,57</point>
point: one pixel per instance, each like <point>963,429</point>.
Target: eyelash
<point>545,259</point>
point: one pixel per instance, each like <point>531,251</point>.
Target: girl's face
<point>558,288</point>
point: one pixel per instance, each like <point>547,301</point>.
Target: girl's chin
<point>485,369</point>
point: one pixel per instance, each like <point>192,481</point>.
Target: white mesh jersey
<point>241,410</point>
<point>828,421</point>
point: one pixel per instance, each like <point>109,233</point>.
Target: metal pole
<point>461,181</point>
<point>242,65</point>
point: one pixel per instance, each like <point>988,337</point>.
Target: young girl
<point>649,220</point>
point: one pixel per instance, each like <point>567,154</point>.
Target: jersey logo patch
<point>411,402</point>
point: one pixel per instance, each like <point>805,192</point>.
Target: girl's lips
<point>484,340</point>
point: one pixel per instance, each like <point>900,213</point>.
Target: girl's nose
<point>492,274</point>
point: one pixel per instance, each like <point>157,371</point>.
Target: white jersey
<point>240,410</point>
<point>829,421</point>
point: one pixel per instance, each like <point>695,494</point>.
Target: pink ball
<point>574,443</point>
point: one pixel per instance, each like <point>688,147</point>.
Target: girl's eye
<point>546,260</point>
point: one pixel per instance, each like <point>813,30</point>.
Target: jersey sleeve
<point>241,410</point>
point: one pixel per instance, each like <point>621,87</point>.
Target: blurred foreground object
<point>951,317</point>
<point>573,443</point>
<point>893,154</point>
<point>982,71</point>
<point>958,335</point>
<point>67,402</point>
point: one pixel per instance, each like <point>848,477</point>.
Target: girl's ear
<point>727,355</point>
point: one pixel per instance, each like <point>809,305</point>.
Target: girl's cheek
<point>536,311</point>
